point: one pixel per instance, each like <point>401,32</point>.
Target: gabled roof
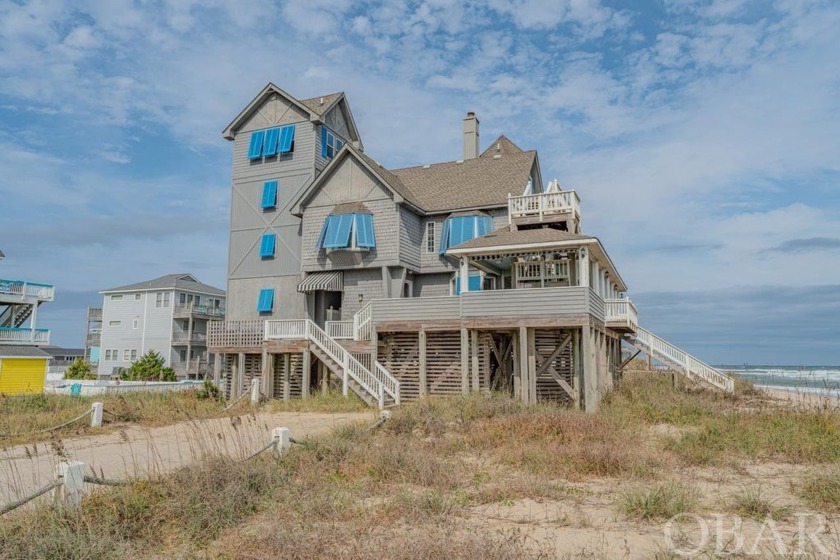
<point>483,182</point>
<point>501,145</point>
<point>348,151</point>
<point>506,238</point>
<point>186,282</point>
<point>314,107</point>
<point>323,103</point>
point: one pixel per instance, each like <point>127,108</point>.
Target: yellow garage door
<point>19,376</point>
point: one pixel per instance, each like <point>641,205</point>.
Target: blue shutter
<point>474,283</point>
<point>322,238</point>
<point>459,229</point>
<point>338,232</point>
<point>267,245</point>
<point>256,147</point>
<point>323,141</point>
<point>269,195</point>
<point>444,237</point>
<point>271,136</point>
<point>364,231</point>
<point>287,136</point>
<point>266,301</point>
<point>485,225</point>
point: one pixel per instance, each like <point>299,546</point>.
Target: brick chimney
<point>470,136</point>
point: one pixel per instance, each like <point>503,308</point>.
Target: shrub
<point>150,367</point>
<point>79,369</point>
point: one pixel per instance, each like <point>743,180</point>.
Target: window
<point>269,195</point>
<point>135,323</point>
<point>166,299</point>
<point>114,323</point>
<point>461,229</point>
<point>126,355</point>
<point>107,354</point>
<point>159,299</point>
<point>116,297</point>
<point>330,143</point>
<point>430,237</point>
<point>134,355</point>
<point>347,231</point>
<point>271,141</point>
<point>136,297</point>
<point>267,245</point>
<point>265,303</point>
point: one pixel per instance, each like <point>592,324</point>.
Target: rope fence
<point>70,475</point>
<point>53,428</point>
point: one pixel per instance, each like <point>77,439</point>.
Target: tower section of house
<point>93,334</point>
<point>168,315</point>
<point>280,145</point>
<point>23,365</point>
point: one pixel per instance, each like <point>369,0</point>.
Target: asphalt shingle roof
<point>22,352</point>
<point>170,282</point>
<point>474,183</point>
<point>501,145</point>
<point>314,104</point>
<point>504,238</point>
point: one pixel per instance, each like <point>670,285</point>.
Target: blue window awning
<point>341,231</point>
<point>474,284</point>
<point>255,149</point>
<point>267,245</point>
<point>460,229</point>
<point>269,194</point>
<point>265,303</point>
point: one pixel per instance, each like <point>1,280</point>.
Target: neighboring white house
<point>168,315</point>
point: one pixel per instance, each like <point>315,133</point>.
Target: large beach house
<point>23,365</point>
<point>168,315</point>
<point>468,275</point>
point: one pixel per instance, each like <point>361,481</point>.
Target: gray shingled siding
<point>431,285</point>
<point>368,283</point>
<point>412,239</point>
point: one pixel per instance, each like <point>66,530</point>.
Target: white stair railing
<point>377,383</point>
<point>362,322</point>
<point>691,366</point>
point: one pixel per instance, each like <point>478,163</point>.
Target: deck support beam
<point>517,366</point>
<point>217,369</point>
<point>287,377</point>
<point>266,374</point>
<point>590,370</point>
<point>524,375</point>
<point>474,359</point>
<point>306,374</point>
<point>421,348</point>
<point>465,360</point>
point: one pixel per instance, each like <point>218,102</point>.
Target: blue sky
<point>702,136</point>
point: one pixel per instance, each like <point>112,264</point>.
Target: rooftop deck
<point>186,310</point>
<point>539,207</point>
<point>15,291</point>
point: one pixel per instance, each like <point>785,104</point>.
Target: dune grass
<point>658,501</point>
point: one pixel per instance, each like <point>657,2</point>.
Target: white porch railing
<point>543,203</point>
<point>621,311</point>
<point>376,383</point>
<point>688,364</point>
<point>24,336</point>
<point>341,330</point>
<point>23,290</point>
<point>362,322</point>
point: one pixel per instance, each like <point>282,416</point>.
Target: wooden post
<point>217,369</point>
<point>590,370</point>
<point>421,348</point>
<point>287,376</point>
<point>266,377</point>
<point>474,358</point>
<point>324,372</point>
<point>282,441</point>
<point>486,373</point>
<point>71,474</point>
<point>524,374</point>
<point>532,366</point>
<point>234,378</point>
<point>577,366</point>
<point>517,367</point>
<point>240,383</point>
<point>96,415</point>
<point>307,374</point>
<point>465,358</point>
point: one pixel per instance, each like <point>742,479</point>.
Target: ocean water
<point>818,379</point>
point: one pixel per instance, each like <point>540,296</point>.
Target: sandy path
<point>137,451</point>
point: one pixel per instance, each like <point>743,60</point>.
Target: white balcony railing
<point>621,311</point>
<point>339,329</point>
<point>543,203</point>
<point>24,336</point>
<point>24,290</point>
<point>187,309</point>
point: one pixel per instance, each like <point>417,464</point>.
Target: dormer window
<point>330,143</point>
<point>347,231</point>
<point>460,229</point>
<point>271,141</point>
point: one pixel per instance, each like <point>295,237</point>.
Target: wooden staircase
<point>352,385</point>
<point>15,315</point>
<point>680,360</point>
